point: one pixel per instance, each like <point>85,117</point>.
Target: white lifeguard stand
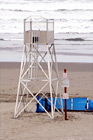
<point>39,72</point>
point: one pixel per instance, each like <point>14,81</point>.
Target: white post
<point>50,83</point>
<point>18,90</point>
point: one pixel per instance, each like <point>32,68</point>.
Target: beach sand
<point>35,126</point>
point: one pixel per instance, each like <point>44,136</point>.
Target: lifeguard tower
<point>39,72</point>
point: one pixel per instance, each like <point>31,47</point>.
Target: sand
<point>79,75</point>
<point>32,126</point>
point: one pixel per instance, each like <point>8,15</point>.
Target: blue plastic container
<point>78,104</point>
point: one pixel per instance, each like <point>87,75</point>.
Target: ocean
<point>73,27</point>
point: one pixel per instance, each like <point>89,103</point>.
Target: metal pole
<point>65,91</point>
<point>50,83</point>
